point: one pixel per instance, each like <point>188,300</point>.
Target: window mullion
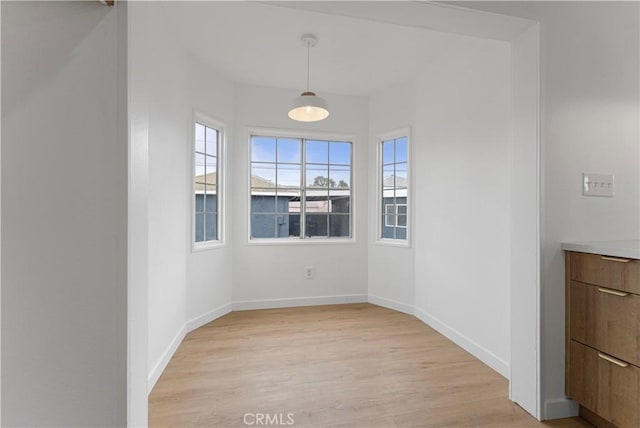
<point>303,188</point>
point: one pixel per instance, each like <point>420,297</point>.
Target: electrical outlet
<point>598,185</point>
<point>308,272</point>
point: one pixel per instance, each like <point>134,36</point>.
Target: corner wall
<point>462,144</point>
<point>64,215</point>
<point>391,267</point>
<point>186,288</point>
<point>590,93</point>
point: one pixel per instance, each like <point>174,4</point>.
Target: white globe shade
<point>309,107</point>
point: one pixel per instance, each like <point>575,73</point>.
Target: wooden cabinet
<point>603,338</point>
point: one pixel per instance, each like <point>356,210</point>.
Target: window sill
<point>205,246</point>
<point>298,241</point>
<point>401,243</point>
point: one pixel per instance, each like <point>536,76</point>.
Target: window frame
<point>210,122</point>
<point>302,135</point>
<point>379,201</point>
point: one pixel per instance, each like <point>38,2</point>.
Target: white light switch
<point>597,184</point>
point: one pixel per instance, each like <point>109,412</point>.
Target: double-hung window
<point>206,182</point>
<point>300,188</point>
<point>394,187</point>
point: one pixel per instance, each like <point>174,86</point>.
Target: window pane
<point>294,227</point>
<point>401,195</point>
<point>388,177</point>
<point>211,227</point>
<point>390,209</point>
<point>212,141</point>
<point>285,227</point>
<point>263,175</point>
<point>199,138</point>
<point>317,204</point>
<point>199,166</point>
<point>205,173</point>
<point>316,225</point>
<point>289,175</point>
<point>288,203</point>
<point>212,203</point>
<point>289,150</point>
<point>263,226</point>
<point>317,176</point>
<point>401,233</point>
<point>317,151</point>
<point>263,149</point>
<point>339,225</point>
<point>340,201</point>
<point>210,169</point>
<point>390,220</point>
<point>388,152</point>
<point>402,220</point>
<point>401,149</point>
<point>402,209</point>
<point>387,232</point>
<point>339,177</point>
<point>199,203</point>
<point>199,227</point>
<point>401,175</point>
<point>262,203</point>
<point>340,153</point>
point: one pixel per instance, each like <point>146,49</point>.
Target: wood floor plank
<point>338,366</point>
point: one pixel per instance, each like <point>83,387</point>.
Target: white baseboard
<point>484,355</point>
<point>560,408</point>
<point>391,304</point>
<point>189,326</point>
<point>208,317</point>
<point>157,370</point>
<point>245,305</point>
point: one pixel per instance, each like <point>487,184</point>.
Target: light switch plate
<point>598,184</point>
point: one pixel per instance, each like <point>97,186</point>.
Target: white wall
<point>64,215</point>
<point>462,149</point>
<point>185,289</point>
<point>168,115</point>
<point>264,273</point>
<point>391,267</point>
<point>209,273</point>
<point>525,222</point>
<point>589,94</point>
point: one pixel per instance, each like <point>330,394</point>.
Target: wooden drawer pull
<point>614,292</point>
<point>613,360</point>
<point>615,259</point>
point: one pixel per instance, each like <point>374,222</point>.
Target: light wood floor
<point>331,366</point>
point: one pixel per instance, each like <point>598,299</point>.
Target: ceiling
<point>363,46</point>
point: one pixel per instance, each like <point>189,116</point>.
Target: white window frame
<point>218,125</point>
<point>304,135</point>
<point>379,200</point>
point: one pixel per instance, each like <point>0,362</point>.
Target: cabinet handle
<point>614,292</point>
<point>615,259</point>
<point>612,360</point>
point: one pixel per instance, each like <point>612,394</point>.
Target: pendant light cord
<point>308,62</point>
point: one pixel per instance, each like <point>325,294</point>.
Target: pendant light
<point>309,107</point>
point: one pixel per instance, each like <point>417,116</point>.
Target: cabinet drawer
<point>606,319</point>
<point>612,272</point>
<point>603,386</point>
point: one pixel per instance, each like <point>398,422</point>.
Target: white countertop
<point>628,249</point>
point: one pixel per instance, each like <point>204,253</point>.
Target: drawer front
<point>612,272</point>
<point>605,319</point>
<point>603,386</point>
